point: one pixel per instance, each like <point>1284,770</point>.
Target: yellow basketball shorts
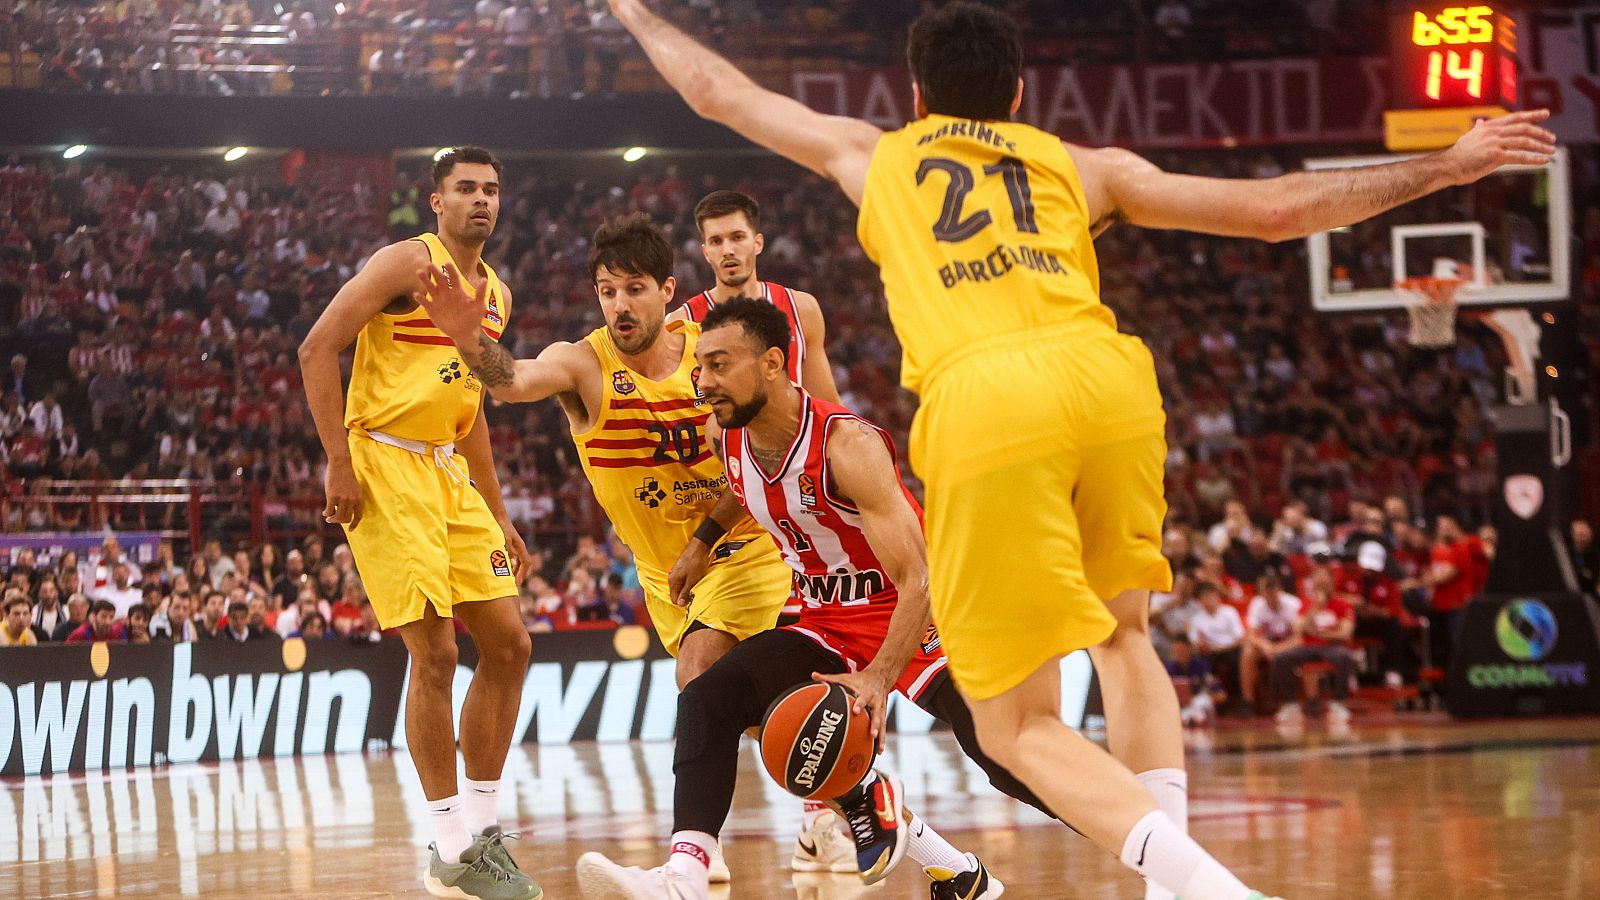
<point>741,594</point>
<point>1043,458</point>
<point>423,537</point>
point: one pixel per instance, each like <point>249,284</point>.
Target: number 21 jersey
<point>981,231</point>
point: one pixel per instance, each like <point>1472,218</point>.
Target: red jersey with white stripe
<point>696,308</point>
<point>846,597</point>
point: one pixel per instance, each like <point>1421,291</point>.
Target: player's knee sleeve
<point>703,717</point>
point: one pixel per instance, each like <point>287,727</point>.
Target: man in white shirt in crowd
<point>1235,525</point>
<point>46,416</point>
<point>1295,530</point>
<point>121,592</point>
<point>1271,622</point>
<point>1217,633</point>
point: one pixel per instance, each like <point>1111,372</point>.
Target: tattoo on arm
<point>495,365</point>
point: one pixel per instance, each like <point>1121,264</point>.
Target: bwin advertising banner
<point>99,706</point>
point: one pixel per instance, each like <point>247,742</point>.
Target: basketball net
<point>1431,304</point>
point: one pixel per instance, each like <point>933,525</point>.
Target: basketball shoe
<point>601,879</point>
<point>494,847</point>
<point>875,812</point>
<point>476,877</point>
<point>717,870</point>
<point>821,848</point>
<point>975,884</point>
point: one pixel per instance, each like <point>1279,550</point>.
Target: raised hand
<point>1515,139</point>
<point>456,308</point>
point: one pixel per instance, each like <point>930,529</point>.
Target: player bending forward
<point>824,483</point>
<point>1041,427</point>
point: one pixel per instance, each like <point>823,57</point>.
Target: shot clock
<point>1452,65</point>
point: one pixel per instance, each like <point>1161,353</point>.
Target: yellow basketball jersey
<point>408,379</point>
<point>647,456</point>
<point>981,230</point>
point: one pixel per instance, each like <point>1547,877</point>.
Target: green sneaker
<point>476,877</point>
<point>494,848</point>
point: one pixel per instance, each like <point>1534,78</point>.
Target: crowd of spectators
<point>153,310</point>
<point>571,47</point>
<point>273,591</point>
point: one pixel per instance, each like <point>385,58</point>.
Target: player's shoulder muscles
<point>714,438</point>
<point>1102,172</point>
<point>390,275</point>
<point>859,463</point>
<point>569,365</point>
<point>809,312</point>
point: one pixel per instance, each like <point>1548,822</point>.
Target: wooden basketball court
<point>1413,807</point>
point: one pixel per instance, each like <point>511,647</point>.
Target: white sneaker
<point>717,870</point>
<point>1338,712</point>
<point>1393,681</point>
<point>601,879</point>
<point>824,848</point>
<point>1290,713</point>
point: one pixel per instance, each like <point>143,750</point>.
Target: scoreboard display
<point>1452,65</point>
<point>1446,56</point>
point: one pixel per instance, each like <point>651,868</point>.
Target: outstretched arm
<point>863,470</point>
<point>695,558</point>
<point>835,147</point>
<point>1121,186</point>
<point>459,314</point>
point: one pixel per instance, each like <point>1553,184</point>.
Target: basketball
<point>813,744</point>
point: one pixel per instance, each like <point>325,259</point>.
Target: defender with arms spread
<point>1041,427</point>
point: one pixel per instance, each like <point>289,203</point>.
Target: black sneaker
<point>975,884</point>
<point>876,815</point>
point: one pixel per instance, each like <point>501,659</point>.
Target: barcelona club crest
<point>621,383</point>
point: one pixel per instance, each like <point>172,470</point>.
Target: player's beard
<point>743,413</point>
<point>641,340</point>
<point>737,281</point>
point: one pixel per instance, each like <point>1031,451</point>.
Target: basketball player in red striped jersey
<point>731,240</point>
<point>824,483</point>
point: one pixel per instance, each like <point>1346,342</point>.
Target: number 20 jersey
<point>647,457</point>
<point>981,230</point>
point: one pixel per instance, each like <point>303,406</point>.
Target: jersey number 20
<point>953,227</point>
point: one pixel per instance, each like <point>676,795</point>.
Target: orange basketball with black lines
<point>814,744</point>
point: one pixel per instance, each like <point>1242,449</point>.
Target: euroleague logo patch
<point>498,562</point>
<point>808,491</point>
<point>621,383</point>
<point>492,314</point>
<point>694,380</point>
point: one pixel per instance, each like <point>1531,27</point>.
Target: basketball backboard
<point>1509,233</point>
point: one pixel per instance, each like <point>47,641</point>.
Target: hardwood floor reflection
<point>1410,808</point>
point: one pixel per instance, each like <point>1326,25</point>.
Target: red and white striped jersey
<point>696,307</point>
<point>846,596</point>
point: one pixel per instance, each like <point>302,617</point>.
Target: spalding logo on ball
<point>814,744</point>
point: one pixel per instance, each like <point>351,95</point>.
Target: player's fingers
<point>1529,145</point>
<point>1528,159</point>
<point>1527,115</point>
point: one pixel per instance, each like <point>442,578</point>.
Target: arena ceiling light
<point>75,151</point>
<point>633,154</point>
<point>235,154</point>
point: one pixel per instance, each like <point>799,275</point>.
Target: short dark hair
<point>238,606</point>
<point>214,593</point>
<point>446,163</point>
<point>14,600</point>
<point>102,606</point>
<point>139,608</point>
<point>717,204</point>
<point>313,616</point>
<point>1268,579</point>
<point>1207,587</point>
<point>966,58</point>
<point>631,245</point>
<point>762,322</point>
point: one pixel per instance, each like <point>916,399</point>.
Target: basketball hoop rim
<point>1431,290</point>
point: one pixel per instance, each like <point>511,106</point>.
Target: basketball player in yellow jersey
<point>638,421</point>
<point>1040,428</point>
<point>411,478</point>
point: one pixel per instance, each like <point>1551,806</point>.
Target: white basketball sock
<point>450,835</point>
<point>813,811</point>
<point>1171,790</point>
<point>691,854</point>
<point>1156,849</point>
<point>932,851</point>
<point>481,802</point>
